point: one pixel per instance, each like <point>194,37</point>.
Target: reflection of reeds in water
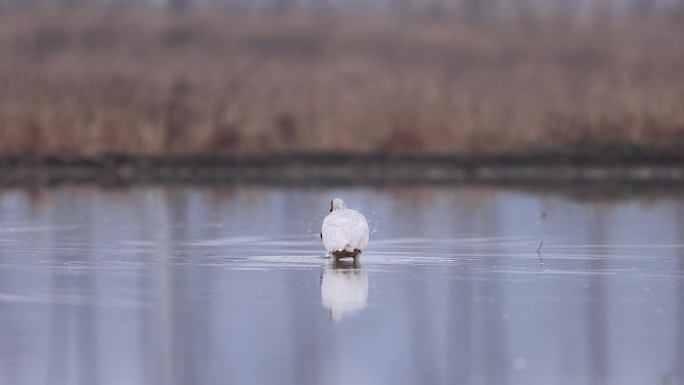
<point>344,288</point>
<point>89,82</point>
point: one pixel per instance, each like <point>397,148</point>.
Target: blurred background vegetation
<point>88,78</point>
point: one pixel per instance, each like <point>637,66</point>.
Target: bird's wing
<point>336,232</point>
<point>360,228</point>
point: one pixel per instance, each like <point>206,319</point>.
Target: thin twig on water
<point>539,253</point>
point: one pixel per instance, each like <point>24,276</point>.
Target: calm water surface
<point>229,285</point>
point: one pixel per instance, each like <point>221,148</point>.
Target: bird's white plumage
<point>344,230</point>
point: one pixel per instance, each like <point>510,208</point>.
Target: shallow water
<point>199,285</point>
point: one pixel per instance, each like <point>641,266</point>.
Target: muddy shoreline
<point>339,169</point>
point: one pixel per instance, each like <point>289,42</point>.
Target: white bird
<point>345,231</point>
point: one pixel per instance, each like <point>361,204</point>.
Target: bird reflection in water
<point>344,288</point>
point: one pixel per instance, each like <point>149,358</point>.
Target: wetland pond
<point>229,284</point>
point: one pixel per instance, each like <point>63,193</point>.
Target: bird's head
<point>337,204</point>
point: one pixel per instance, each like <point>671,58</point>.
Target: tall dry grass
<point>92,82</point>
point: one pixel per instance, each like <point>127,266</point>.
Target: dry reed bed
<point>92,82</point>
